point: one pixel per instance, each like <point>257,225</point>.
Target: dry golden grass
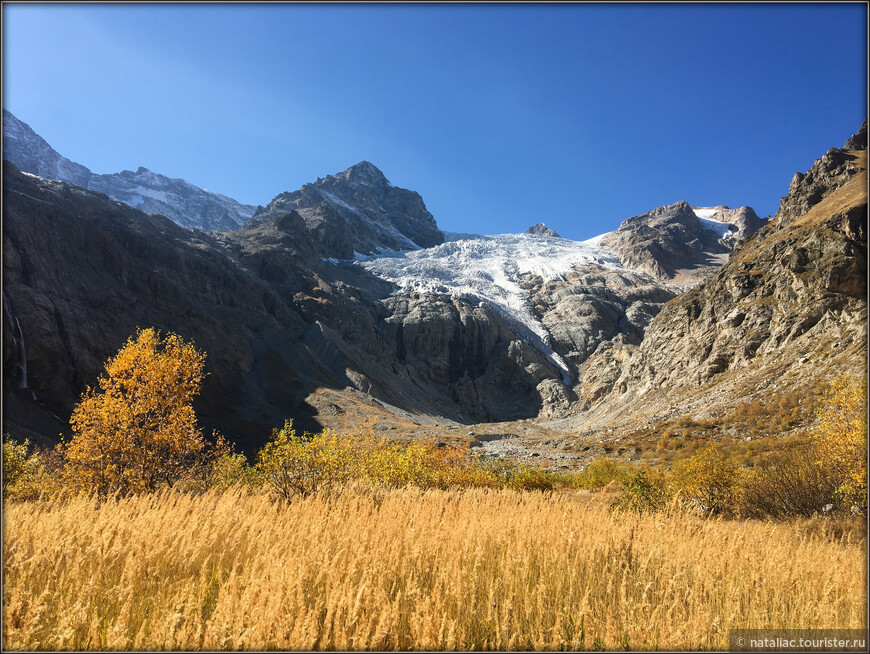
<point>408,569</point>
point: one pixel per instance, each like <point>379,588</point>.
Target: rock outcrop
<point>358,210</point>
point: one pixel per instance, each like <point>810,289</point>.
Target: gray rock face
<point>592,305</point>
<point>858,141</point>
<point>183,203</point>
<point>672,243</point>
<point>808,189</point>
<point>791,298</point>
<point>358,210</point>
<point>542,230</point>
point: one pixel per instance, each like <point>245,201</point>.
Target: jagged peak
<point>364,172</point>
<point>541,229</point>
<point>858,141</point>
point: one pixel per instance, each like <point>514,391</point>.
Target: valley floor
<point>412,569</point>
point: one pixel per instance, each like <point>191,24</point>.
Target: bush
<point>602,472</point>
<point>304,465</point>
<point>706,481</point>
<point>528,478</point>
<point>23,470</point>
<point>218,468</point>
<point>642,495</point>
<point>787,484</point>
<point>230,469</point>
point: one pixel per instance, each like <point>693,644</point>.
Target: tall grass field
<point>411,569</point>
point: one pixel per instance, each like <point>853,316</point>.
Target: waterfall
<point>19,373</point>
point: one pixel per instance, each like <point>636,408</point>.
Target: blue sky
<point>500,116</point>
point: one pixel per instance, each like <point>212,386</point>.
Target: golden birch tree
<point>137,429</point>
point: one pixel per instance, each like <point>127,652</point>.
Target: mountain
<point>679,242</point>
<point>787,311</point>
<point>343,301</point>
<point>277,322</point>
<point>540,229</point>
<point>358,211</point>
<point>30,153</point>
<point>185,204</point>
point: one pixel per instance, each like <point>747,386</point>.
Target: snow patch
<point>705,212</point>
<point>595,241</point>
<point>149,193</point>
<point>725,231</point>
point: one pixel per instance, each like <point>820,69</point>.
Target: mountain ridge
<point>182,202</point>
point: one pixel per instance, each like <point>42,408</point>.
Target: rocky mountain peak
<point>542,230</point>
<point>32,154</point>
<point>365,173</point>
<point>679,242</point>
<point>833,170</point>
<point>358,211</point>
<point>858,141</point>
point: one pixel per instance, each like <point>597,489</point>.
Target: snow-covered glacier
<point>488,270</point>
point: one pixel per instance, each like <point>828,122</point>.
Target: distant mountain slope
<point>32,154</point>
<point>180,201</point>
<point>789,309</point>
<point>183,203</point>
<point>358,210</point>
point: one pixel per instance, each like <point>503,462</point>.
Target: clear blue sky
<point>500,116</point>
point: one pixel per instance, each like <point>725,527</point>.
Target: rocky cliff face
<point>358,210</point>
<point>183,203</point>
<point>790,304</point>
<point>681,243</point>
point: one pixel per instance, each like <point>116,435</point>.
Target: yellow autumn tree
<point>138,430</point>
<point>842,437</point>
